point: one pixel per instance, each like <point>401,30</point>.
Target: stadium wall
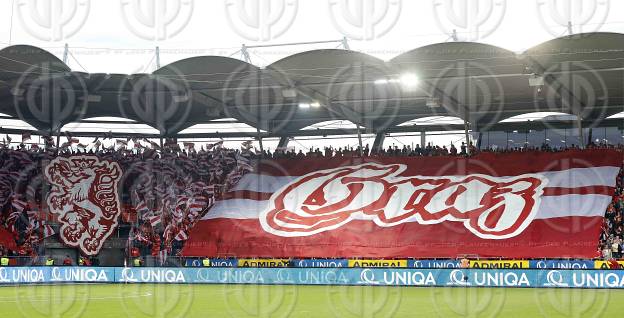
<point>319,276</point>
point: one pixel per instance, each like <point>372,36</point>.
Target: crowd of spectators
<point>408,151</point>
<point>611,243</point>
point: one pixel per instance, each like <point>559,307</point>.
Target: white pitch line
<point>5,300</point>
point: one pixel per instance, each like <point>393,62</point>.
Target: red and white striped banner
<point>512,205</point>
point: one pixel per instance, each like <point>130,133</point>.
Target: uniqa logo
<point>322,277</point>
<point>367,277</point>
<point>22,275</point>
<point>4,277</point>
<point>598,280</point>
<point>555,279</point>
<point>501,279</point>
<point>406,278</point>
<point>458,278</point>
<point>78,275</point>
<point>240,276</point>
<point>127,275</point>
<point>162,276</point>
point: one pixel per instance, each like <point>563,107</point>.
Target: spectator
<point>67,261</point>
<point>613,264</point>
<point>464,263</point>
<point>84,261</point>
<point>138,262</point>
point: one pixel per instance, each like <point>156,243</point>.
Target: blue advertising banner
<point>378,277</point>
<point>321,263</point>
<point>53,274</point>
<point>412,263</point>
<point>223,262</point>
<point>561,264</point>
<point>432,263</point>
<point>320,276</point>
<point>214,262</point>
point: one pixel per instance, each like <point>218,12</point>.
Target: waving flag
<point>510,205</point>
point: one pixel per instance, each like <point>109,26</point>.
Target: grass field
<point>143,300</point>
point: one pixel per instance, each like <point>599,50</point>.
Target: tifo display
<point>223,203</point>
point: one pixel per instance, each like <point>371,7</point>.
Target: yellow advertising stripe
<point>377,263</point>
<point>498,264</point>
<point>605,264</point>
<point>264,262</point>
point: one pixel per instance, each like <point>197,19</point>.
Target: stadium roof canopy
<point>579,74</point>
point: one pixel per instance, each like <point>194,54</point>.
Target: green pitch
<point>142,300</point>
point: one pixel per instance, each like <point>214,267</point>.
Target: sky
<point>119,36</point>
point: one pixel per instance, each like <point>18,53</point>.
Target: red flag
<point>154,220</point>
<point>48,231</point>
<point>412,206</point>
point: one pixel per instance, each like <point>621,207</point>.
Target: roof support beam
<point>380,137</point>
<point>283,142</point>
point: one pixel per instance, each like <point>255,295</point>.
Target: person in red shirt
<point>613,264</point>
<point>67,261</point>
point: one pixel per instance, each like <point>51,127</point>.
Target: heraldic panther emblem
<point>84,196</point>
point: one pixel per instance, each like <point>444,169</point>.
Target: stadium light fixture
<point>409,80</point>
<point>304,105</point>
<point>381,81</point>
<point>315,104</point>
